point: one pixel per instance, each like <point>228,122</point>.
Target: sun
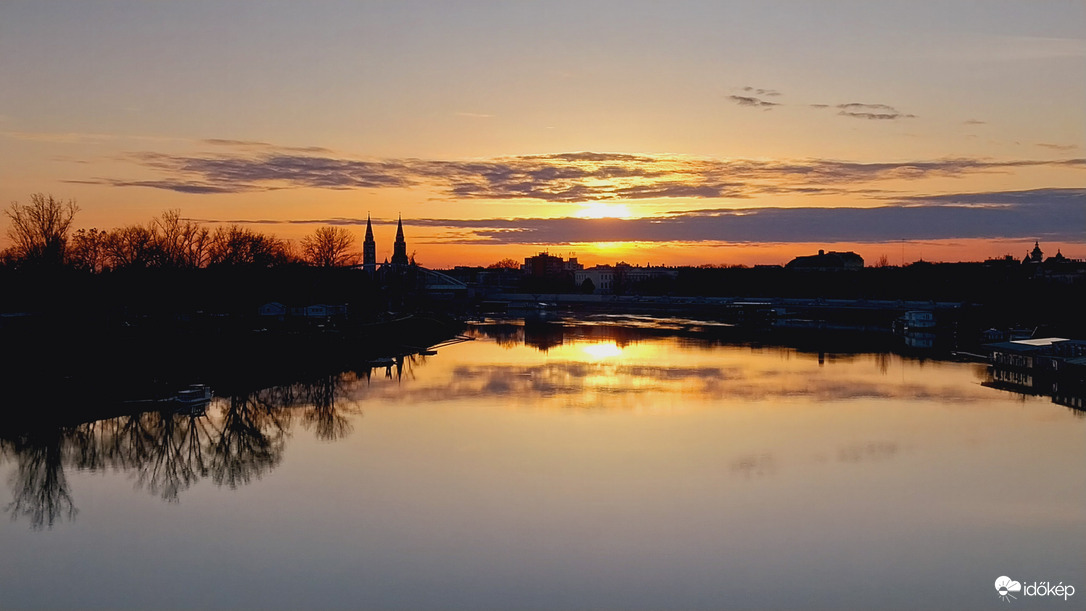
<point>600,210</point>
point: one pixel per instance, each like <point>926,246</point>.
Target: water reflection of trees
<point>237,441</point>
<point>251,439</point>
<point>166,451</point>
<point>39,487</point>
<point>327,422</point>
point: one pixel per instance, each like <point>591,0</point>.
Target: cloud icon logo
<point>1005,585</point>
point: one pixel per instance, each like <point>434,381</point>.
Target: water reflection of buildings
<point>545,335</point>
<point>1052,366</point>
<point>238,441</point>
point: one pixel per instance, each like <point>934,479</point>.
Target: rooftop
<point>1040,341</point>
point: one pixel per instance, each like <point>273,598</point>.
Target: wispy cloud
<point>236,143</point>
<point>167,185</point>
<point>743,100</point>
<point>754,98</point>
<point>877,112</point>
<point>263,146</point>
<point>762,92</point>
<point>563,177</point>
<point>1063,148</point>
<point>974,122</point>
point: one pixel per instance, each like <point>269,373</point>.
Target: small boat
<point>195,393</point>
<point>192,400</point>
<point>523,306</point>
<point>534,312</point>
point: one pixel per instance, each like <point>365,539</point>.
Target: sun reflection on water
<point>602,350</point>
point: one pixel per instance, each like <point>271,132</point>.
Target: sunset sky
<point>645,131</point>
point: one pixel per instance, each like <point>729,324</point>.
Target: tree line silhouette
<point>173,269</point>
<point>42,239</point>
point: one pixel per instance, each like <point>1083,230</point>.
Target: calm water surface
<point>588,467</point>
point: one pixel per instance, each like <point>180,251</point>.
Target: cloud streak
<point>1063,148</point>
<point>876,112</point>
<point>743,100</point>
<point>563,177</point>
<point>759,91</point>
<point>264,146</point>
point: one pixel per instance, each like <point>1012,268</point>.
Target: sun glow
<point>607,245</point>
<point>600,210</point>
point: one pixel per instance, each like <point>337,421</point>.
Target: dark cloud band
<point>1046,214</point>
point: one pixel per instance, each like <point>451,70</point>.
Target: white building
<point>607,278</point>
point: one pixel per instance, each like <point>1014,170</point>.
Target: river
<point>619,464</point>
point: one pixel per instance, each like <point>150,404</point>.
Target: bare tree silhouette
<point>236,246</point>
<point>132,247</point>
<point>39,229</point>
<point>181,243</point>
<point>87,250</point>
<point>329,247</point>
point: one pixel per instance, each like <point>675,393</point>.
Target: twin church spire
<point>369,247</point>
<point>399,249</point>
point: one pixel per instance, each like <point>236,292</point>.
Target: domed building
<point>1035,255</point>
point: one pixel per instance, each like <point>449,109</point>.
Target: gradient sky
<point>702,132</point>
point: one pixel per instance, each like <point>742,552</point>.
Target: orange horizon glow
<point>442,251</point>
<point>897,253</point>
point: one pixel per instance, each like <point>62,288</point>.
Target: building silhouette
<point>1057,258</point>
<point>1034,256</point>
<point>399,249</point>
<point>546,272</point>
<point>546,265</point>
<point>369,249</point>
<point>827,261</point>
<point>617,278</point>
<point>402,275</point>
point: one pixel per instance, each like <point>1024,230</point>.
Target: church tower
<point>369,249</point>
<point>399,249</point>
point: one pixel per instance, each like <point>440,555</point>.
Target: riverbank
<point>65,368</point>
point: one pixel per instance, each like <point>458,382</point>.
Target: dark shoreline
<point>53,370</point>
